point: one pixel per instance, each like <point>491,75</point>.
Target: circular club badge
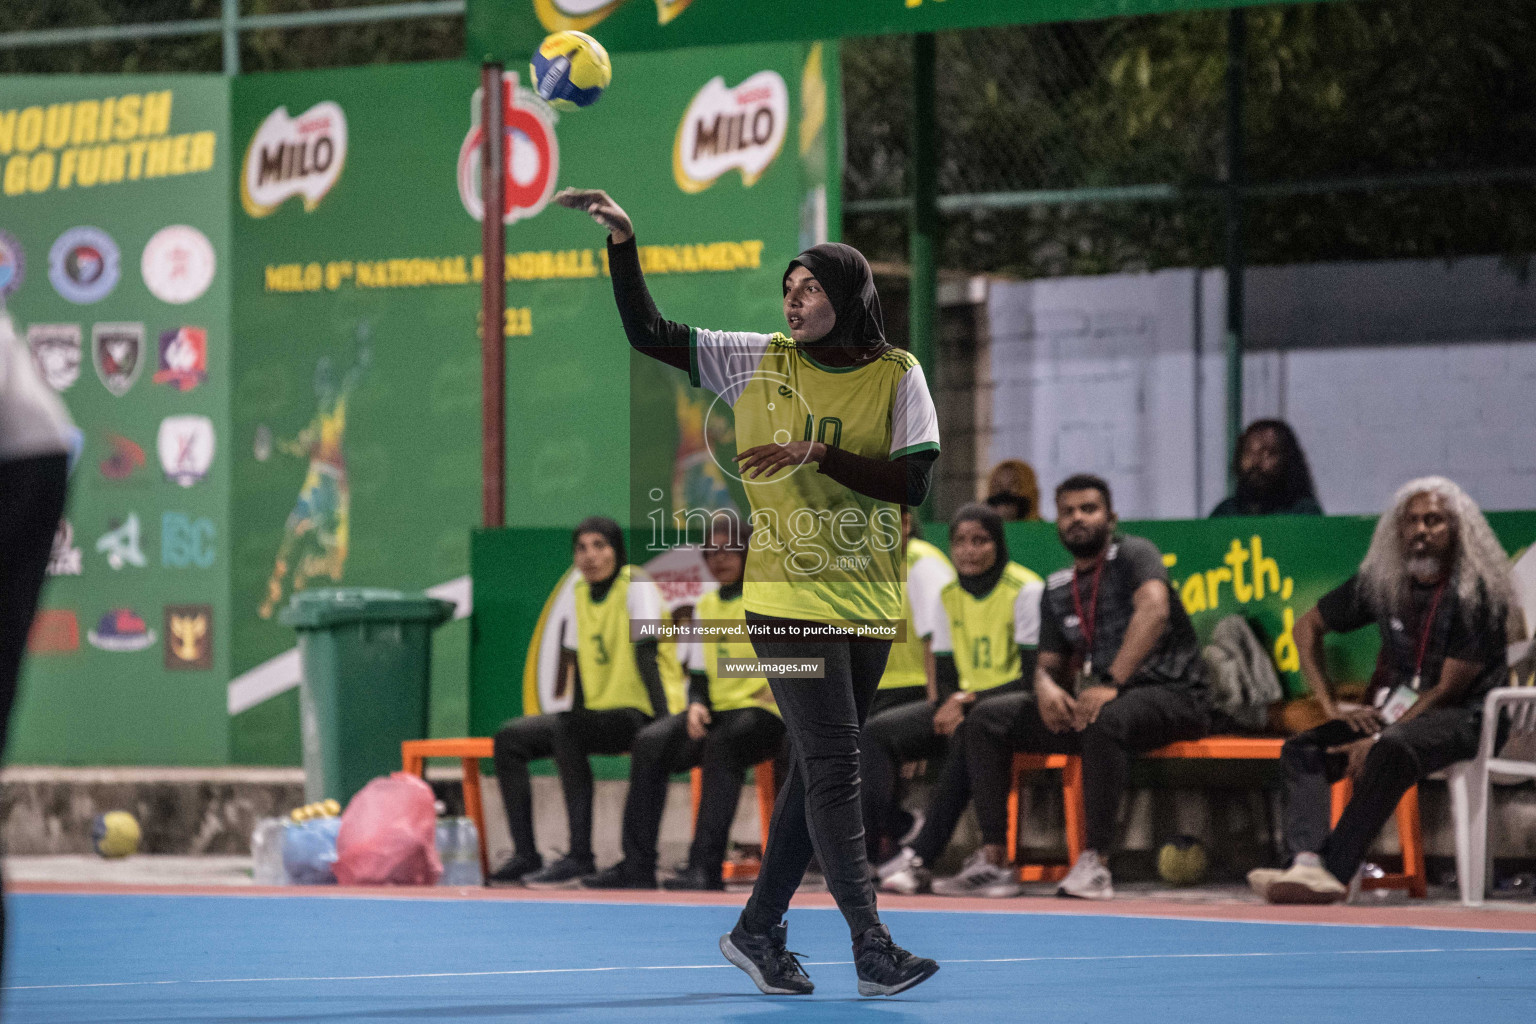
<point>178,264</point>
<point>83,265</point>
<point>13,265</point>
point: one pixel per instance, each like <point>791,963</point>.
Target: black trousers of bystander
<point>1139,719</point>
<point>736,740</point>
<point>1403,755</point>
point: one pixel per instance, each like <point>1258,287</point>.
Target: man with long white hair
<point>1436,583</point>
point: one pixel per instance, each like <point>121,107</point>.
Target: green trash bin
<point>367,657</point>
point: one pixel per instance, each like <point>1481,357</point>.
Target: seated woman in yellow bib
<point>731,724</point>
<point>620,687</point>
<point>985,646</point>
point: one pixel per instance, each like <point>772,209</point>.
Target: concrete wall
<point>1386,370</point>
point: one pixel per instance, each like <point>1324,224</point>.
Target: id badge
<point>1398,704</point>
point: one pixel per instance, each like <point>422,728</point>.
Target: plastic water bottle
<point>267,852</point>
<point>458,844</point>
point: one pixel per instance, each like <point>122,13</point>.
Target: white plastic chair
<point>1468,782</point>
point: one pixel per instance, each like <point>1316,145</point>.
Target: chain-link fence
<point>1385,129</point>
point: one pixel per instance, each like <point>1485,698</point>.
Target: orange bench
<point>1229,748</point>
<point>471,750</point>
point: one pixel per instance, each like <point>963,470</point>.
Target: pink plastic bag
<point>389,835</point>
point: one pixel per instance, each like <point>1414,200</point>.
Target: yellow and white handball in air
<point>570,70</point>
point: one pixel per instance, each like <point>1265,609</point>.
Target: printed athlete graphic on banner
<point>703,435</point>
<point>314,540</point>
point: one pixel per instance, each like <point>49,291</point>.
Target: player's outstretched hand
<point>768,459</point>
<point>599,205</point>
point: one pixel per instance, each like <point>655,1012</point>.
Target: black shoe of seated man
<point>884,968</point>
<point>694,880</point>
<point>772,968</point>
<point>622,875</point>
<point>565,873</point>
<point>512,871</point>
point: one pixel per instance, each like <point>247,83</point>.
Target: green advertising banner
<point>1270,571</point>
<point>510,30</point>
<point>114,265</point>
<point>356,417</point>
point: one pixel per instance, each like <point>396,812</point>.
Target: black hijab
<point>981,584</point>
<point>609,531</point>
<point>844,275</point>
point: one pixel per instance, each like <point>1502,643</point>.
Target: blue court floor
<point>94,959</point>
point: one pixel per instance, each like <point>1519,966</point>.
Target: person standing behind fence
<point>35,438</point>
<point>1436,585</point>
<point>1119,673</point>
<point>1272,474</point>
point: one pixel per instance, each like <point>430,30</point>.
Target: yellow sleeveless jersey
<point>728,694</point>
<point>985,634</point>
<point>605,655</point>
<point>920,604</point>
<point>820,551</point>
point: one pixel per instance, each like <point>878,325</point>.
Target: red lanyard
<point>1429,623</point>
<point>1087,620</point>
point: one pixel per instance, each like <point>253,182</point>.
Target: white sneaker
<point>910,835</point>
<point>980,877</point>
<point>1089,879</point>
<point>905,874</point>
<point>1306,882</point>
<point>1259,879</point>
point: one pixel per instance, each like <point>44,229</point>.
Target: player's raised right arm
<point>649,332</point>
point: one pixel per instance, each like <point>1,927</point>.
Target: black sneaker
<point>885,968</point>
<point>772,968</point>
<point>621,876</point>
<point>565,873</point>
<point>694,880</point>
<point>512,872</point>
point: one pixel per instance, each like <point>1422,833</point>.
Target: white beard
<point>1423,570</point>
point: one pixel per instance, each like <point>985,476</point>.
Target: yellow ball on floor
<point>115,834</point>
<point>1182,861</point>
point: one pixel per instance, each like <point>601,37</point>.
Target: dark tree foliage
<point>334,46</point>
<point>1334,90</point>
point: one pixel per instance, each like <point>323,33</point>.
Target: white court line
<point>712,967</point>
